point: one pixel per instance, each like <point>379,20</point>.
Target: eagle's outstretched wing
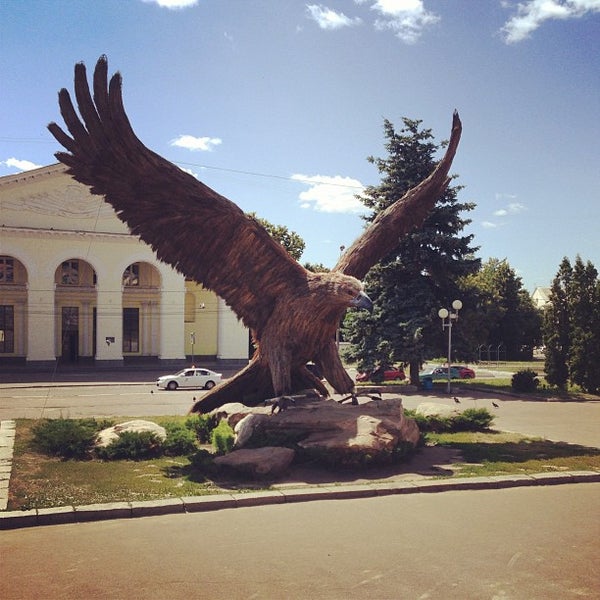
<point>202,234</point>
<point>398,219</point>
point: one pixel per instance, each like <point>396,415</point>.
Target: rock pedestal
<point>333,433</point>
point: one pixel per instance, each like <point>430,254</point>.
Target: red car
<point>464,372</point>
<point>389,374</point>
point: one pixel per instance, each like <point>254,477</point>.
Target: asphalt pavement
<point>409,537</point>
<point>525,543</point>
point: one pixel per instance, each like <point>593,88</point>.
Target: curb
<point>192,504</point>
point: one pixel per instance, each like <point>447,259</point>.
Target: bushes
<point>222,437</point>
<point>180,440</point>
<point>202,426</point>
<point>67,438</point>
<point>525,381</point>
<point>133,445</point>
<point>75,438</point>
<point>471,419</point>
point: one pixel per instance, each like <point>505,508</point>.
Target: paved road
<point>33,401</point>
<point>518,544</point>
<point>573,422</point>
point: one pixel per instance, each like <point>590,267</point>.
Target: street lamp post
<point>193,341</point>
<point>444,314</point>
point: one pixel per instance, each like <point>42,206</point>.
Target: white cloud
<point>22,165</point>
<point>326,18</point>
<point>514,208</point>
<point>205,144</point>
<point>531,14</point>
<point>406,18</point>
<point>329,194</point>
<point>488,225</point>
<point>173,4</point>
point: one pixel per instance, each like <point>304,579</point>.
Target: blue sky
<point>276,104</point>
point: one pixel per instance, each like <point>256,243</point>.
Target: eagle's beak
<point>363,301</point>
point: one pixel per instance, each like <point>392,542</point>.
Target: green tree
<point>316,267</point>
<point>290,240</point>
<point>421,274</point>
<point>505,315</point>
<point>572,326</point>
<point>556,327</point>
<point>584,310</point>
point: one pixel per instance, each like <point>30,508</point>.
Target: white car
<point>190,378</point>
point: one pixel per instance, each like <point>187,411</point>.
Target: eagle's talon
<point>280,402</point>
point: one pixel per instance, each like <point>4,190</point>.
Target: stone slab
<point>56,516</point>
<point>209,502</point>
<point>258,498</point>
<point>167,506</point>
<point>100,512</point>
<point>18,518</point>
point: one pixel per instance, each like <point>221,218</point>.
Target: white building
<point>540,296</point>
<point>75,285</point>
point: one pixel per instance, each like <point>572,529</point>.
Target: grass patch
<point>544,391</point>
<point>42,481</point>
<point>496,453</point>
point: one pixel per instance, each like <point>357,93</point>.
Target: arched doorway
<point>141,311</point>
<point>75,303</point>
<point>13,300</point>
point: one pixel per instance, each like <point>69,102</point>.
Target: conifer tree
<point>556,333</point>
<point>572,327</point>
<point>421,274</point>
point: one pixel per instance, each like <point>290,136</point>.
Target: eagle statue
<point>293,314</point>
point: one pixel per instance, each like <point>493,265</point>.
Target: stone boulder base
<point>333,433</point>
<point>436,409</point>
<point>106,436</point>
<point>258,463</point>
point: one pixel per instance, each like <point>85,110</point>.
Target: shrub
<point>471,419</point>
<point>133,445</point>
<point>202,426</point>
<point>222,437</point>
<point>525,381</point>
<point>180,440</point>
<point>67,438</point>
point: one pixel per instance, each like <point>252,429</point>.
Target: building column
<point>85,320</point>
<point>41,321</point>
<point>232,336</point>
<point>109,320</point>
<point>172,307</point>
<point>20,329</point>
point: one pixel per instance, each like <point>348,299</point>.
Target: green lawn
<point>495,453</point>
<point>39,481</point>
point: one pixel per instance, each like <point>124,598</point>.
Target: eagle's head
<point>339,291</point>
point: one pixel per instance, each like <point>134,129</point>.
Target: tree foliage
<point>420,275</point>
<point>572,326</point>
<point>504,316</point>
<point>290,240</point>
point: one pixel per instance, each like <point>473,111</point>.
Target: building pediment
<point>49,198</point>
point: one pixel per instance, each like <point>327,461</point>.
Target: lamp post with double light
<point>447,316</point>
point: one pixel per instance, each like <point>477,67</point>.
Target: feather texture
<point>292,312</point>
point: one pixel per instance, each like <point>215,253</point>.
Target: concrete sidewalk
<point>121,510</point>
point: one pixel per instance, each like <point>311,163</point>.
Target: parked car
<point>190,378</point>
<point>439,374</point>
<point>464,372</point>
<point>382,374</point>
